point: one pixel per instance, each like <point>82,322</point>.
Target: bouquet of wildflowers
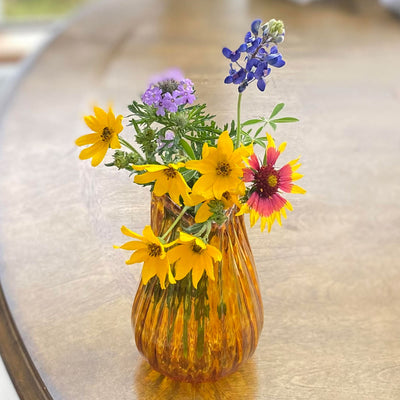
<point>182,153</point>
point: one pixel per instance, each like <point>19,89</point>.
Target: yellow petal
<point>282,147</point>
<point>297,189</point>
<point>197,273</point>
<point>177,165</point>
<point>130,233</point>
<point>149,235</point>
<point>288,205</point>
<point>132,246</point>
<point>243,210</point>
<point>138,257</point>
<point>225,144</point>
<point>93,123</point>
<point>101,115</point>
<point>204,187</point>
<point>146,177</point>
<point>149,167</point>
<point>162,186</point>
<point>208,266</point>
<point>87,139</point>
<point>296,176</point>
<point>271,142</point>
<point>91,151</point>
<point>99,156</point>
<point>253,217</point>
<point>245,151</point>
<point>162,271</point>
<point>114,142</point>
<point>111,117</point>
<point>205,150</point>
<point>178,187</point>
<point>185,237</point>
<point>184,264</point>
<point>203,213</point>
<point>193,200</point>
<point>149,269</point>
<point>224,184</point>
<point>203,166</point>
<point>214,253</point>
<point>117,127</point>
<point>175,254</point>
<point>170,276</point>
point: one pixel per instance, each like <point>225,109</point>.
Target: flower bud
<point>217,209</point>
<point>276,28</point>
<point>123,159</point>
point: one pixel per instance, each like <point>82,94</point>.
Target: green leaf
<point>273,125</point>
<point>252,122</point>
<point>188,174</point>
<point>259,130</point>
<point>276,110</point>
<point>189,151</point>
<point>260,142</point>
<point>284,120</point>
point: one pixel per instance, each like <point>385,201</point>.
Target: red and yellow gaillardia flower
<point>192,254</point>
<point>105,127</point>
<point>264,198</point>
<point>167,180</point>
<point>149,250</point>
<point>221,168</point>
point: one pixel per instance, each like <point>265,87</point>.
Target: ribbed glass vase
<point>199,335</point>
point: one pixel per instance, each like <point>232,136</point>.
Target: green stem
<point>178,218</point>
<point>130,147</point>
<point>238,127</point>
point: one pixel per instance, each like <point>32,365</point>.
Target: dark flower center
<point>196,248</point>
<point>266,181</point>
<point>106,134</point>
<point>223,168</point>
<point>169,85</point>
<point>170,172</point>
<point>226,196</point>
<point>154,250</point>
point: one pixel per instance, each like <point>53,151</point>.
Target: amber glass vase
<point>199,335</point>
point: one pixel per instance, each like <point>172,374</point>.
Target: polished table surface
<point>330,278</point>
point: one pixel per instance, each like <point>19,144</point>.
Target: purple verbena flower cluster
<point>169,91</point>
<point>166,141</point>
<point>259,55</point>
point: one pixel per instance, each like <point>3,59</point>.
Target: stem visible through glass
<point>178,218</point>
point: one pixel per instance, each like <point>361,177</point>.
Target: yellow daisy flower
<point>149,250</point>
<point>105,127</point>
<point>221,168</point>
<point>192,254</point>
<point>168,180</point>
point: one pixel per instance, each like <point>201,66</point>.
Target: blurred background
<point>25,25</point>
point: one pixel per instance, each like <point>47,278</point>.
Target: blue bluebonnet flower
<point>168,91</point>
<point>234,55</point>
<point>259,55</point>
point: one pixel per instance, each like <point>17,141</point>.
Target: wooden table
<point>330,277</point>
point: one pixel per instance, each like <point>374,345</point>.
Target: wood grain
<point>329,277</point>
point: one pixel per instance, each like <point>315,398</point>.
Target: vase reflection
<point>151,385</point>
